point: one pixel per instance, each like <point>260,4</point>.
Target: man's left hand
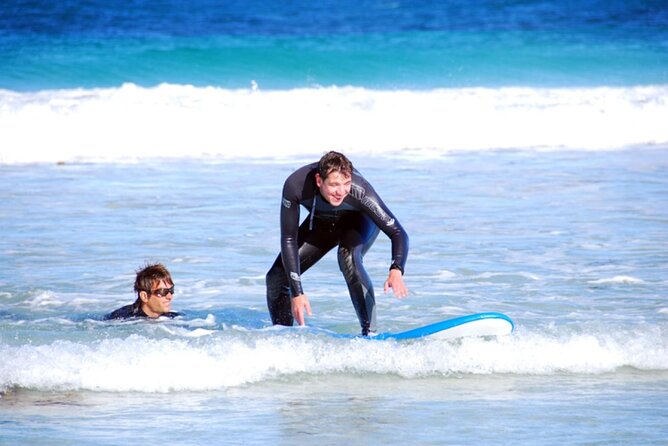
<point>396,281</point>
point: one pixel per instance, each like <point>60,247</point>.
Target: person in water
<point>155,290</point>
<point>344,210</point>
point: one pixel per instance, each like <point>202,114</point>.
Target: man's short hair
<point>149,274</point>
<point>334,162</point>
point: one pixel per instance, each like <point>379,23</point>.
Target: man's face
<point>335,188</point>
<point>159,300</point>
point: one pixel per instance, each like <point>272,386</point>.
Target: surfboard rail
<point>478,324</point>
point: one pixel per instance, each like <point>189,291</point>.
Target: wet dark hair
<point>149,274</point>
<point>334,162</point>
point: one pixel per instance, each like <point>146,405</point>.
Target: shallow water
<point>571,245</point>
<point>625,408</point>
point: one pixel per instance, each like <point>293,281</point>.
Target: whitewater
<point>170,121</point>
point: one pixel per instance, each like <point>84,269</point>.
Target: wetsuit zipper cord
<point>310,223</point>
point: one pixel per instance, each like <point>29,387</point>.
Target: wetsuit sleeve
<point>289,230</point>
<point>385,220</point>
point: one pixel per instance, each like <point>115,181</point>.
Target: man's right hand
<point>300,304</point>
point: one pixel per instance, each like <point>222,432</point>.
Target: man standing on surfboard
<point>344,210</point>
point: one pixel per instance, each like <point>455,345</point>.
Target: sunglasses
<point>162,292</point>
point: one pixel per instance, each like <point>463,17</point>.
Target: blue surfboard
<point>479,324</point>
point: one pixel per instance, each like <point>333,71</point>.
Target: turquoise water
<point>523,146</point>
<point>406,59</point>
<point>371,44</point>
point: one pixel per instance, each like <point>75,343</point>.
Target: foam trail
<point>131,122</point>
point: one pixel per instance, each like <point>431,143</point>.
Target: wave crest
<point>228,359</point>
<point>132,122</point>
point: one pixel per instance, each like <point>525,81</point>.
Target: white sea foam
<point>445,275</point>
<point>131,122</point>
<point>45,299</point>
<point>216,361</point>
<point>625,280</point>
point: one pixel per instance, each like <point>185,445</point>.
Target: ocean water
<point>522,145</point>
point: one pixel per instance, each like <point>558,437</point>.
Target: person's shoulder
<point>125,312</point>
<point>133,311</point>
<point>360,186</point>
<point>300,182</point>
<point>303,172</point>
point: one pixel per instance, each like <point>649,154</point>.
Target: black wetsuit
<point>353,226</point>
<point>134,310</point>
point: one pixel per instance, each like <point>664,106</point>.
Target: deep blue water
<point>374,44</point>
<point>302,18</point>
